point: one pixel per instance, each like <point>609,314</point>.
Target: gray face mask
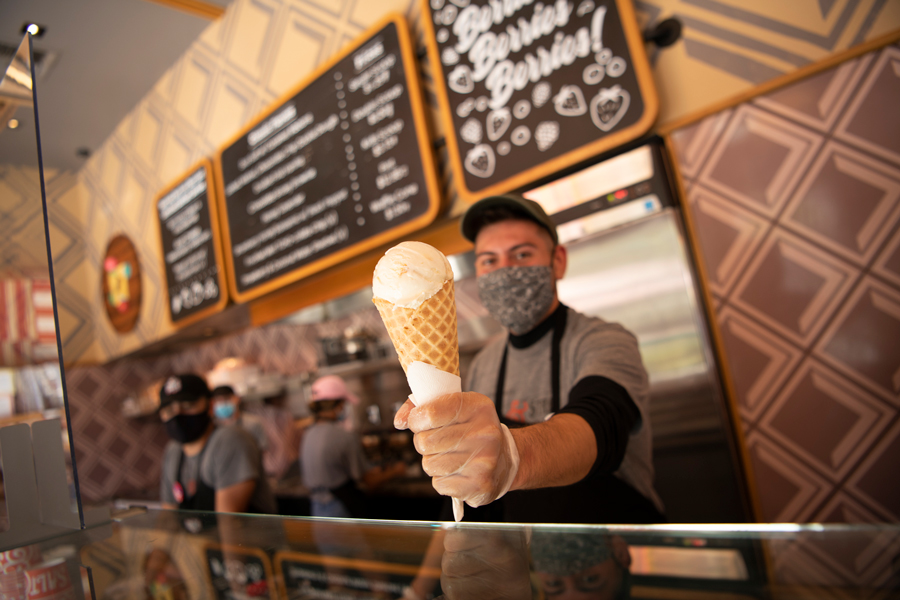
<point>518,297</point>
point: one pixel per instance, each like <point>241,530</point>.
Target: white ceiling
<point>108,55</point>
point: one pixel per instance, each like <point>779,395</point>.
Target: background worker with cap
<point>332,460</point>
<point>572,389</point>
<point>206,467</point>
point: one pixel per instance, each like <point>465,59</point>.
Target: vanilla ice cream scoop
<point>410,273</point>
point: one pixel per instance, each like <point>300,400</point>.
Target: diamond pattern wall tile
<point>887,264</point>
<point>729,237</point>
<point>229,109</point>
<point>819,100</point>
<point>335,7</point>
<point>876,479</point>
<point>299,51</point>
<point>692,143</point>
<point>864,559</point>
<point>788,490</point>
<point>147,134</point>
<point>759,361</point>
<point>794,564</point>
<point>134,201</point>
<point>864,339</point>
<point>848,419</point>
<point>759,159</point>
<point>111,173</point>
<point>848,202</point>
<point>195,84</point>
<point>792,286</point>
<point>254,20</point>
<point>175,158</point>
<point>868,123</point>
<point>364,13</point>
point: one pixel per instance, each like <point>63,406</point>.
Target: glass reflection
<point>31,375</point>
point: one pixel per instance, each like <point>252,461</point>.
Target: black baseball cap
<point>473,220</point>
<point>185,387</point>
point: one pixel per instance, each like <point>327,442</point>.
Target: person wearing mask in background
<point>206,467</point>
<point>572,390</point>
<point>332,461</point>
<point>227,411</point>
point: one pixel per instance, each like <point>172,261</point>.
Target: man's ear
<point>559,261</point>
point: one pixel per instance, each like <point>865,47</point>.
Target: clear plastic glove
<point>466,451</point>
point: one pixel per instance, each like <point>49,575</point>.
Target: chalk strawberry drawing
<point>460,80</point>
<point>540,94</point>
<point>546,134</point>
<point>497,123</point>
<point>569,102</point>
<point>449,56</point>
<point>609,106</point>
<point>480,161</point>
<point>471,131</point>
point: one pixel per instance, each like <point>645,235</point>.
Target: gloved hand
<point>466,451</point>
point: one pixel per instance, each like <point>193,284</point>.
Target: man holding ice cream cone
<point>570,389</point>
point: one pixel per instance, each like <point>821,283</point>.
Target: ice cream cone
<point>427,333</point>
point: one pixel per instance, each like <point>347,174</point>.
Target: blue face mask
<point>223,410</point>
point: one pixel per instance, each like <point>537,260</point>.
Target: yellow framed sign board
<point>192,246</point>
<point>337,166</point>
<point>527,89</point>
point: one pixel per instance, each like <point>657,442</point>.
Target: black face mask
<point>185,429</point>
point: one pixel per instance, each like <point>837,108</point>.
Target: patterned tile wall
<point>727,46</point>
<point>22,244</point>
<point>796,199</point>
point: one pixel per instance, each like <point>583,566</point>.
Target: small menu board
<point>340,165</point>
<point>189,231</point>
<point>313,576</point>
<point>239,572</point>
<point>527,89</point>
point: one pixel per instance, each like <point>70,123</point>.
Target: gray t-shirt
<point>589,346</point>
<point>230,457</point>
<point>253,425</point>
<point>330,456</point>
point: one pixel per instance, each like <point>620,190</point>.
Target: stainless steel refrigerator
<point>630,261</point>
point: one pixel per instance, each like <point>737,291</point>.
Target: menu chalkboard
<point>239,572</point>
<point>338,166</point>
<point>311,576</point>
<point>529,88</point>
<point>189,232</point>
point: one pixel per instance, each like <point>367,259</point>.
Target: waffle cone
<point>426,333</point>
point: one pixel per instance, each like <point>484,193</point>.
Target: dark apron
<point>204,497</point>
<point>602,498</point>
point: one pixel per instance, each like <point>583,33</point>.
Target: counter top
<point>217,556</point>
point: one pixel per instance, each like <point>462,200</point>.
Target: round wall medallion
<point>121,284</point>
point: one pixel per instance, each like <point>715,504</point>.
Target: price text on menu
<point>189,231</point>
<point>339,167</point>
<point>523,83</point>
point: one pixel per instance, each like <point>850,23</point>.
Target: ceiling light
<point>13,123</point>
<point>34,29</point>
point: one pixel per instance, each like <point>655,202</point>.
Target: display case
<point>168,554</point>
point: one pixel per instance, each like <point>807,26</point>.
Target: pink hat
<point>332,387</point>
